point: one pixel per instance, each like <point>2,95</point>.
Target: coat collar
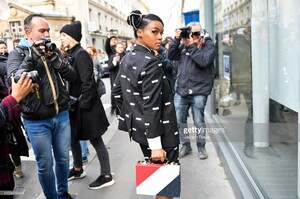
<point>139,47</point>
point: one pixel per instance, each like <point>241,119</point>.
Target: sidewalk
<point>199,178</point>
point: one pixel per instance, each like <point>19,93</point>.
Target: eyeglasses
<point>198,33</point>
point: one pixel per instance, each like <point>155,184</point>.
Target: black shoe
<point>102,181</point>
<point>65,195</point>
<point>73,174</point>
<point>202,153</point>
<point>185,150</point>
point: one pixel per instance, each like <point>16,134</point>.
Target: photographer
<point>195,52</point>
<point>45,111</point>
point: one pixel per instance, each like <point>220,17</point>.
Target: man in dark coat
<point>195,52</point>
<point>45,111</point>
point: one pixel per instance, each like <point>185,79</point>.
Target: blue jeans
<point>84,148</point>
<point>47,136</point>
<point>197,104</point>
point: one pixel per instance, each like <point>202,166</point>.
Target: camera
<point>185,32</point>
<point>4,54</point>
<point>33,75</point>
<point>49,46</point>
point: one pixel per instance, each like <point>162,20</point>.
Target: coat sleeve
<point>85,70</point>
<point>117,92</point>
<point>108,49</point>
<point>152,86</point>
<point>14,62</point>
<point>9,109</point>
<point>204,56</point>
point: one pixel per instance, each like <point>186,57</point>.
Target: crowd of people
<point>56,94</point>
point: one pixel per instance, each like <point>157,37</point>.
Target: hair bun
<point>135,19</point>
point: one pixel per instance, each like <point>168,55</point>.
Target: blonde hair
<point>72,43</point>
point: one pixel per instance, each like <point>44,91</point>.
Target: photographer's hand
<point>37,49</point>
<point>21,89</point>
<point>55,60</point>
<point>177,33</point>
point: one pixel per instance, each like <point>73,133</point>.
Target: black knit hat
<point>73,29</point>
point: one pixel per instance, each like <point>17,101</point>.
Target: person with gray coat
<point>194,52</point>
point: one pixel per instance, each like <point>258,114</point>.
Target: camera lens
<point>34,76</point>
<point>50,46</point>
<point>185,34</point>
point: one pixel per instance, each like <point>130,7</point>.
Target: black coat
<point>49,100</point>
<point>145,98</point>
<point>3,62</point>
<point>89,119</point>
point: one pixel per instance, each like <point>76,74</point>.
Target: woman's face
<point>151,35</point>
<point>65,40</point>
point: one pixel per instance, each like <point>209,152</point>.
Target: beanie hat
<point>73,29</point>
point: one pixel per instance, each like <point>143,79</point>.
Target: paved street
<point>199,178</point>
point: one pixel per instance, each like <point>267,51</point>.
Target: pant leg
<point>181,108</point>
<point>249,121</point>
<point>84,148</point>
<point>198,107</point>
<point>61,148</point>
<point>40,135</point>
<point>102,155</point>
<point>76,152</point>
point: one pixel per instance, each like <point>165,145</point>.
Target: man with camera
<point>45,111</point>
<point>195,52</point>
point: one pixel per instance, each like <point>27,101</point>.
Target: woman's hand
<point>22,88</point>
<point>158,155</point>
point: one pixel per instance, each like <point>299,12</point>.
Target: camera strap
<point>51,84</point>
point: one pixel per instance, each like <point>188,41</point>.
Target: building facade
<point>98,17</point>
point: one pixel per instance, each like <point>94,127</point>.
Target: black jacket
<point>89,120</point>
<point>195,67</point>
<point>3,61</point>
<point>42,104</point>
<point>145,98</point>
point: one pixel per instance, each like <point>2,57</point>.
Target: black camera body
<point>4,54</point>
<point>185,32</point>
<point>49,46</point>
<point>33,75</point>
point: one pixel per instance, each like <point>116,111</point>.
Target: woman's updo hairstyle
<point>137,20</point>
